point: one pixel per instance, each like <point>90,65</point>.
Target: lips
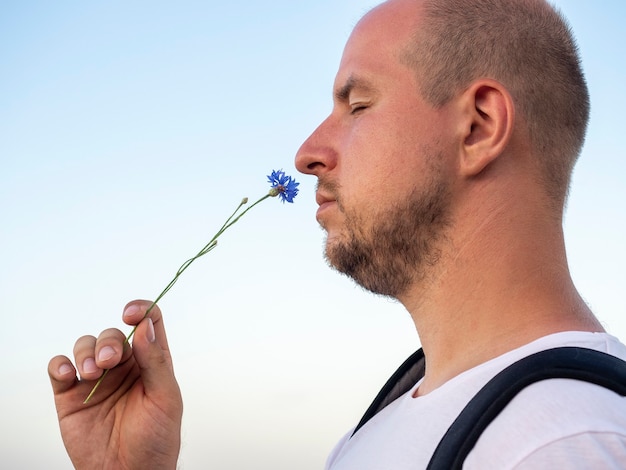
<point>322,198</point>
<point>324,201</point>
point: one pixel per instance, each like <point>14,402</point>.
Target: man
<point>443,170</point>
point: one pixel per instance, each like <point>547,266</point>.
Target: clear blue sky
<point>129,130</point>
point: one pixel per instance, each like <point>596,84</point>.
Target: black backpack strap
<point>407,375</point>
<point>567,363</point>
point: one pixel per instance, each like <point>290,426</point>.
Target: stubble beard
<point>398,247</point>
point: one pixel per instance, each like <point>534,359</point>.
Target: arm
<point>134,419</point>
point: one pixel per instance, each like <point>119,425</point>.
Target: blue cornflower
<point>282,185</point>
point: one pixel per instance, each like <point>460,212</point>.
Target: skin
<point>500,270</point>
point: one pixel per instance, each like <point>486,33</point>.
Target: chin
<point>330,244</point>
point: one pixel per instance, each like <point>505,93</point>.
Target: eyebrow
<point>342,94</point>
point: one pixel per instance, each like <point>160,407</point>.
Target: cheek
<point>382,160</point>
<point>368,160</point>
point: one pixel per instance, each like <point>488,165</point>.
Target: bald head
<point>524,44</point>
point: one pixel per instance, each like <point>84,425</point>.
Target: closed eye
<point>356,108</point>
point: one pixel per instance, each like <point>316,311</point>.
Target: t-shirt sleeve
<point>334,454</point>
<point>580,451</point>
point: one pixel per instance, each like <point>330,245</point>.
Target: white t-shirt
<point>555,423</point>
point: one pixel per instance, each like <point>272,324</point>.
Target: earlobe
<point>488,120</point>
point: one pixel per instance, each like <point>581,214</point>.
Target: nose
<point>318,154</point>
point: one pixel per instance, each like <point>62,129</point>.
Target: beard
<point>398,247</point>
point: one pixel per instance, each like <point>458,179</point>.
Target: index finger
<point>135,312</point>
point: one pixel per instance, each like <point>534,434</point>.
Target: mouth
<point>322,198</point>
<point>324,201</point>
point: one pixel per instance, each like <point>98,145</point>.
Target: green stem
<point>230,221</point>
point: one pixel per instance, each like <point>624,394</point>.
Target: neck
<point>499,288</point>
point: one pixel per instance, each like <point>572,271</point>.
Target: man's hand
<point>133,421</point>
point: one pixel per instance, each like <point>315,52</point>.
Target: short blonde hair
<point>528,47</point>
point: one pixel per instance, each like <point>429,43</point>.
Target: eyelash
<point>356,108</point>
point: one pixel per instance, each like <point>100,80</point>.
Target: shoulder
<point>557,423</point>
<point>581,451</point>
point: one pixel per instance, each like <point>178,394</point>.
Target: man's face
<point>379,160</point>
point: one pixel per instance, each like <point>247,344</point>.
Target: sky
<point>131,130</point>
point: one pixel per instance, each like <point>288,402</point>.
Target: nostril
<point>315,166</point>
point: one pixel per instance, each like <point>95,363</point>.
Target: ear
<point>487,125</point>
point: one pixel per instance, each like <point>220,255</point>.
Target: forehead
<point>379,39</point>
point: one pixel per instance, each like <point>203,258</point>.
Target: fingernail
<point>131,310</point>
<point>150,336</point>
<point>106,353</point>
<point>65,369</point>
<point>89,365</point>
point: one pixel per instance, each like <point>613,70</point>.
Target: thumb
<point>155,363</point>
